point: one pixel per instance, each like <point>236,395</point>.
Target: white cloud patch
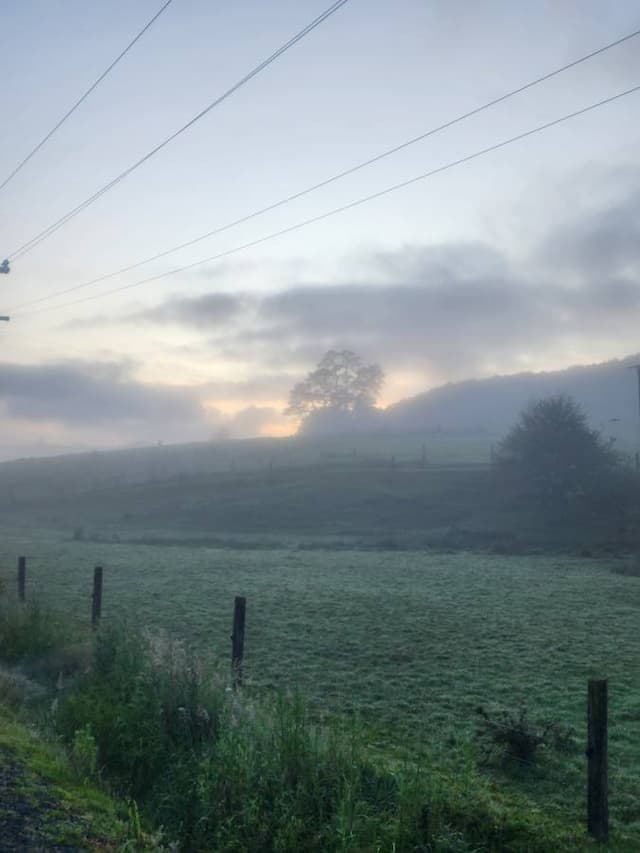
<point>451,311</point>
<point>446,312</point>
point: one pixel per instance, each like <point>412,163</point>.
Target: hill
<point>607,392</point>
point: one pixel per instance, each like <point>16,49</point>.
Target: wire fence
<point>505,739</point>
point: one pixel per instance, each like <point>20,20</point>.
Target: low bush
<point>630,567</point>
<point>28,631</point>
<point>16,689</point>
<point>518,737</point>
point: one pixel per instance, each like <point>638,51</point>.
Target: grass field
<point>22,481</point>
<point>412,641</point>
<point>360,595</point>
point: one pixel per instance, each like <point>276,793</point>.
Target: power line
<point>363,200</point>
<point>326,182</point>
<point>47,232</point>
<point>84,96</point>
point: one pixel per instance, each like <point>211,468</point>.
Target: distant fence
<point>597,787</point>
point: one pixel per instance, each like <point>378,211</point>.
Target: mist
<point>320,426</point>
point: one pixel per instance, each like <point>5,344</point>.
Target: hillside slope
<point>607,392</point>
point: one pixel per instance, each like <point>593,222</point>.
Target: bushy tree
<point>552,454</point>
<point>341,382</point>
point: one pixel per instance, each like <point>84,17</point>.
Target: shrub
<point>552,456</point>
<point>518,737</point>
<point>84,752</point>
<point>17,690</point>
<point>629,567</point>
<point>28,631</point>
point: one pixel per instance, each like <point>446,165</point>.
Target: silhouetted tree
<point>552,454</point>
<point>341,382</point>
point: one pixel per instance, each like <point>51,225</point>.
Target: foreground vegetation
<point>444,689</point>
<point>47,804</point>
<point>225,770</point>
<point>410,643</point>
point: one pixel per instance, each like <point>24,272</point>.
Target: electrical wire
<point>59,223</point>
<point>336,177</point>
<point>363,200</point>
<point>83,97</point>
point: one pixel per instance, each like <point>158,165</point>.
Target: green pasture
<point>27,480</point>
<point>413,642</point>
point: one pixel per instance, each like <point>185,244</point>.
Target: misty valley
<point>417,591</point>
<point>320,427</point>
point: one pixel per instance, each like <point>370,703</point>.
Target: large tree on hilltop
<point>341,382</point>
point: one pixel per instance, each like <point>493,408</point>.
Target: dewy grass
<point>219,770</point>
<point>414,641</point>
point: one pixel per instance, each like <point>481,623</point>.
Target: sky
<point>527,258</point>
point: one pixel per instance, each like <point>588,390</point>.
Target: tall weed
<point>222,770</point>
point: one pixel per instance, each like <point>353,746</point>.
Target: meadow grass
<point>74,813</point>
<point>411,642</point>
<point>217,769</point>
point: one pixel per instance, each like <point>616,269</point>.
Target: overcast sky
<point>527,258</point>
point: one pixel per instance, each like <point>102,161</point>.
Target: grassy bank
<point>249,770</point>
<point>46,803</point>
<point>411,642</point>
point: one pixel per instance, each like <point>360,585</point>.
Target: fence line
<point>597,704</point>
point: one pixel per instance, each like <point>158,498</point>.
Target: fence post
<point>96,601</point>
<point>22,578</point>
<point>237,639</point>
<point>597,754</point>
<point>423,458</point>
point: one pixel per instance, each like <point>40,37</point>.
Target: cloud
<point>602,244</point>
<point>432,313</point>
<point>96,395</point>
<point>449,311</point>
<point>467,309</point>
<point>200,312</point>
<point>251,421</point>
<point>102,403</point>
<point>261,387</point>
<point>203,312</point>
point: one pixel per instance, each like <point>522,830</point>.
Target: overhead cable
<point>363,200</point>
<point>83,97</point>
<point>59,223</point>
<point>336,177</point>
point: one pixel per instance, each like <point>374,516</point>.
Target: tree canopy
<point>341,382</point>
<point>552,453</point>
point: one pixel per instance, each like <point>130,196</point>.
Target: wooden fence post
<point>22,578</point>
<point>96,600</point>
<point>423,458</point>
<point>237,639</point>
<point>597,754</point>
